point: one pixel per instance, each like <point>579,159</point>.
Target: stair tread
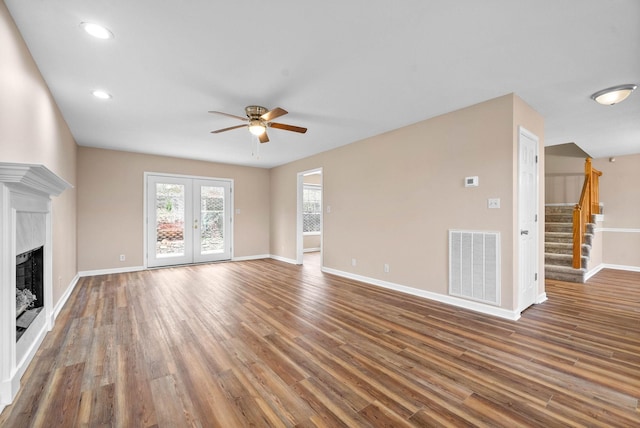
<point>563,256</point>
<point>564,244</point>
<point>568,269</point>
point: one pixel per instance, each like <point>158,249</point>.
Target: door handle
<point>524,232</point>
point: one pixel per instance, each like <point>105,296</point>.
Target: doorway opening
<point>309,218</point>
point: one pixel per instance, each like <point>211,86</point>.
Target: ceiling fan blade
<point>288,127</point>
<point>264,138</point>
<point>272,114</point>
<point>228,129</point>
<point>230,115</point>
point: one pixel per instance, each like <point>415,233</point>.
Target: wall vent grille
<point>474,265</point>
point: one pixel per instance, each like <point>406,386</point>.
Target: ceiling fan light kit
<point>257,127</point>
<point>613,95</point>
<point>259,118</point>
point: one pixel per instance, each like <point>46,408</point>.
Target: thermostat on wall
<point>471,181</point>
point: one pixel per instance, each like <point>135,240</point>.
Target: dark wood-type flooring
<point>263,343</point>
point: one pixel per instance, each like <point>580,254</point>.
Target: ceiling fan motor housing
<point>254,112</point>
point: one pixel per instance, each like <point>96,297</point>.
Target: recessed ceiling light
<point>103,95</point>
<point>614,95</point>
<point>97,30</point>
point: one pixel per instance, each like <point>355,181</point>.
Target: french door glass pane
<point>212,215</point>
<point>170,219</point>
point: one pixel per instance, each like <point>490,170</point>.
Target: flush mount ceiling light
<point>103,95</point>
<point>614,95</point>
<point>97,31</point>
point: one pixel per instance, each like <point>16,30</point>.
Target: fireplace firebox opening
<point>29,288</point>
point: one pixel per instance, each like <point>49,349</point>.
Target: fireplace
<point>26,268</point>
<point>29,288</point>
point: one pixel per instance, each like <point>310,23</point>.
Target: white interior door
<point>528,218</point>
<point>188,220</point>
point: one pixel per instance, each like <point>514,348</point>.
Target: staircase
<point>558,245</point>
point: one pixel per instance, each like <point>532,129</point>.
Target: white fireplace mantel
<point>32,178</point>
<point>24,188</point>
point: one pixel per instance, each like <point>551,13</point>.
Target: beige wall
<point>564,177</point>
<point>32,130</point>
<point>618,240</point>
<point>111,205</point>
<point>394,197</point>
<point>311,242</point>
<point>620,194</point>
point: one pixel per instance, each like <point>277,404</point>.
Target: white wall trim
<point>455,301</point>
<point>593,271</point>
<point>542,297</point>
<point>616,229</point>
<point>247,258</point>
<point>96,272</point>
<point>601,266</point>
<point>311,250</point>
<point>283,259</point>
<point>63,299</point>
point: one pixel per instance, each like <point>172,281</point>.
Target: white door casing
<point>527,218</point>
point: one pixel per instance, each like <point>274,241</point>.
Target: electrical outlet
<point>494,203</point>
<point>353,262</point>
<point>386,268</point>
<point>122,257</point>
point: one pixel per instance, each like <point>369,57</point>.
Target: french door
<point>188,220</point>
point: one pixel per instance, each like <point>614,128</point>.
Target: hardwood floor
<point>264,343</point>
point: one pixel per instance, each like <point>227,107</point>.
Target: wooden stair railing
<point>584,210</point>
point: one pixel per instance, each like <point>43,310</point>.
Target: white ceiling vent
<point>474,265</point>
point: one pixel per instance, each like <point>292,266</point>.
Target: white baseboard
<point>621,267</point>
<point>283,259</point>
<point>311,250</point>
<point>541,298</point>
<point>601,266</point>
<point>84,273</point>
<point>247,258</point>
<point>455,301</point>
<point>63,299</point>
<point>593,271</point>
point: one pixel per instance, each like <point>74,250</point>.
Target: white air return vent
<point>474,265</point>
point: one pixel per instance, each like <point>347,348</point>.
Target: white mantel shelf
<point>24,189</point>
<point>32,178</point>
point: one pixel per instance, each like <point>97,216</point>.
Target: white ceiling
<point>346,70</point>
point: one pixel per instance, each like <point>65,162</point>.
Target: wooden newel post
<point>578,233</point>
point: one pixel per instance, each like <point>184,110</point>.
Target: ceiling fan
<point>259,119</point>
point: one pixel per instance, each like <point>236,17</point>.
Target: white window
<point>311,208</point>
